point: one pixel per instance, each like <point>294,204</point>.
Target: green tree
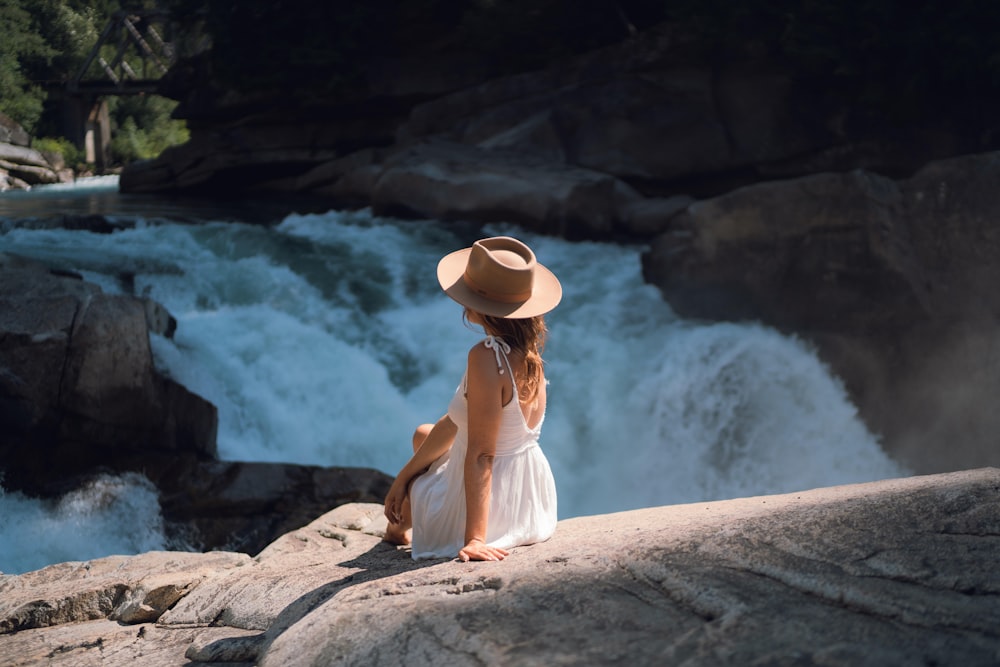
<point>21,45</point>
<point>70,29</point>
<point>143,127</point>
<point>43,43</point>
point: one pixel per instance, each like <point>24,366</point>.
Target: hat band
<point>508,297</point>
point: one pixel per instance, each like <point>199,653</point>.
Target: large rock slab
<point>894,280</point>
<point>889,573</point>
<point>892,572</point>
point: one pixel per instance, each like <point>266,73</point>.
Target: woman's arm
<point>485,399</point>
<point>437,442</point>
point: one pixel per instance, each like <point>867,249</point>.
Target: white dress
<point>523,491</point>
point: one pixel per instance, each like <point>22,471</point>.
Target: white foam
<point>326,339</point>
<point>83,184</point>
<point>108,515</point>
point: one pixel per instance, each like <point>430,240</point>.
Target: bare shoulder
<point>481,356</point>
<point>482,365</point>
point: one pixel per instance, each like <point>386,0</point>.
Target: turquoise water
<point>323,338</point>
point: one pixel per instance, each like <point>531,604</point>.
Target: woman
<point>477,483</point>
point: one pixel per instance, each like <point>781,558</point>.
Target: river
<point>323,338</point>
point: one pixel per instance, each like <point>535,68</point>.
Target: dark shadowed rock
<point>244,506</point>
<point>645,111</point>
<point>893,280</point>
<point>78,388</point>
<point>649,114</point>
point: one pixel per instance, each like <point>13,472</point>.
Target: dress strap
<point>499,346</point>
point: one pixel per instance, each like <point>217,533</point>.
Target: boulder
<point>451,181</point>
<point>78,388</point>
<point>799,254</point>
<point>893,280</point>
<point>28,165</point>
<point>244,506</point>
<point>10,182</point>
<point>11,132</point>
<point>891,572</point>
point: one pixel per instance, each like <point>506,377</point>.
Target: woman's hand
<point>428,447</point>
<point>394,500</point>
<point>478,550</point>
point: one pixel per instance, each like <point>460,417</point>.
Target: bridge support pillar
<point>87,124</point>
<point>97,135</point>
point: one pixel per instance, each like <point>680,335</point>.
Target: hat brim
<point>546,291</point>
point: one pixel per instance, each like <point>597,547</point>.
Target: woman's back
<point>523,504</point>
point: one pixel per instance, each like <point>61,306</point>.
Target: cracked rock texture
<point>898,572</point>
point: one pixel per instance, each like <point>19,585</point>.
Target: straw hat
<point>499,276</point>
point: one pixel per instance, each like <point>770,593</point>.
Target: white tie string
<point>497,344</point>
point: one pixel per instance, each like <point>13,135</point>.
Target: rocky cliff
<point>885,573</point>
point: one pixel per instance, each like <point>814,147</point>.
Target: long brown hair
<point>526,335</point>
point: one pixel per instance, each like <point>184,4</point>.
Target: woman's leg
<point>399,533</point>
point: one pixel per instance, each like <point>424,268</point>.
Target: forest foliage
<point>45,42</point>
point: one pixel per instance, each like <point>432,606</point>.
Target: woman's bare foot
<point>395,534</point>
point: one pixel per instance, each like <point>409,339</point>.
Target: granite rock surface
<point>885,573</point>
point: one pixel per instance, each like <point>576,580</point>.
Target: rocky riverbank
<point>21,166</point>
<point>885,573</point>
<point>80,395</point>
